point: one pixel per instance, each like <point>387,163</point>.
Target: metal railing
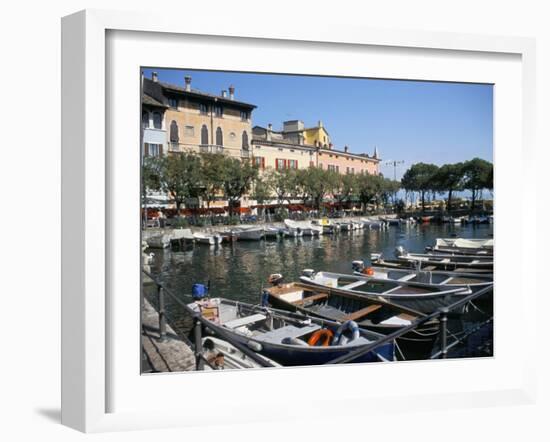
<point>441,315</point>
<point>198,322</point>
<point>210,148</point>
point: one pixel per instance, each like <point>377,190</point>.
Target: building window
<point>157,120</point>
<point>245,140</point>
<point>219,136</point>
<point>352,171</point>
<point>347,170</point>
<point>189,131</point>
<point>173,102</point>
<point>204,134</point>
<point>260,162</point>
<point>279,164</point>
<point>245,115</point>
<point>145,120</point>
<point>293,164</point>
<point>218,111</point>
<point>152,150</point>
<point>203,108</point>
<point>174,135</point>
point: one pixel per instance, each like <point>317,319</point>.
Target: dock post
<point>162,315</point>
<point>443,332</point>
<point>199,362</point>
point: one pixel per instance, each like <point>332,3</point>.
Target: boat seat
<point>407,277</point>
<point>246,320</point>
<point>363,312</point>
<point>288,331</point>
<point>354,285</point>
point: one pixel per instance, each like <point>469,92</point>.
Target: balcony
<point>210,148</point>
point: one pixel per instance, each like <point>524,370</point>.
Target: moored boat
<point>221,355</point>
<point>425,299</point>
<point>288,338</point>
<point>208,238</point>
<point>248,233</point>
<point>373,314</point>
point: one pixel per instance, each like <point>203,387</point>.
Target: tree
<point>477,176</point>
<point>318,183</point>
<point>285,184</point>
<point>420,178</point>
<point>367,189</point>
<point>238,177</point>
<point>212,172</point>
<point>450,178</point>
<point>179,176</point>
<point>345,187</point>
<point>262,190</point>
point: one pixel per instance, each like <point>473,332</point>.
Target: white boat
<point>208,238</point>
<point>221,355</point>
<point>182,234</point>
<point>272,232</point>
<point>369,223</point>
<point>306,227</point>
<point>464,243</point>
<point>248,233</point>
<point>160,241</point>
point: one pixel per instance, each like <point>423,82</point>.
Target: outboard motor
<point>275,279</point>
<point>400,251</point>
<point>357,265</point>
<point>308,272</point>
<point>375,257</point>
<point>199,291</point>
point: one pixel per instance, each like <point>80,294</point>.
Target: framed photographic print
<point>250,212</point>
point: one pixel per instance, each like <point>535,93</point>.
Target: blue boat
<point>288,338</point>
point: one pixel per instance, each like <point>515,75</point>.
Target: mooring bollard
<point>443,331</point>
<point>199,362</point>
<point>162,316</point>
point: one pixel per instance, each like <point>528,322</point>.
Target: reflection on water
<point>239,271</point>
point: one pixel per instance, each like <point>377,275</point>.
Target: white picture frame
<point>87,220</point>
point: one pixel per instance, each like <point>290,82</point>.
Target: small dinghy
<point>463,246</point>
<point>306,228</point>
<point>208,238</point>
<point>372,223</point>
<point>221,355</point>
<point>373,314</point>
<point>419,297</point>
<point>248,233</point>
<point>289,339</point>
<point>445,261</point>
<point>421,277</point>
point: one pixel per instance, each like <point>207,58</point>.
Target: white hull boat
<point>248,233</point>
<point>208,239</point>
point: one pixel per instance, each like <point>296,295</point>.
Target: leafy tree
<point>262,190</point>
<point>450,178</point>
<point>179,176</point>
<point>238,177</point>
<point>420,178</point>
<point>345,187</point>
<point>319,183</point>
<point>285,184</point>
<point>212,173</point>
<point>367,189</point>
<point>477,176</point>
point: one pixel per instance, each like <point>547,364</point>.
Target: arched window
<point>245,140</point>
<point>174,135</point>
<point>157,120</point>
<point>145,119</point>
<point>204,134</point>
<point>219,136</point>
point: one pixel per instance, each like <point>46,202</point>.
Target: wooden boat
<point>379,261</point>
<point>221,355</point>
<point>208,238</point>
<point>426,278</point>
<point>473,246</point>
<point>419,297</point>
<point>248,233</point>
<point>445,261</point>
<point>284,336</point>
<point>373,314</point>
<point>305,227</point>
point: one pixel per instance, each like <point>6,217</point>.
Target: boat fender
<point>199,291</point>
<point>256,346</point>
<point>353,328</point>
<point>294,341</point>
<point>325,334</point>
<point>369,271</point>
<point>357,265</point>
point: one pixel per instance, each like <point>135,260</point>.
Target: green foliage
<point>448,179</point>
<point>478,175</point>
<point>181,223</point>
<point>420,178</point>
<point>237,180</point>
<point>211,176</point>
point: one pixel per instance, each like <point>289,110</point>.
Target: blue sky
<point>407,120</point>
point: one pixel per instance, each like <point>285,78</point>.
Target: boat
<point>472,246</point>
<point>426,219</point>
<point>372,314</point>
<point>372,223</point>
<point>208,238</point>
<point>221,355</point>
<point>287,338</point>
<point>419,297</point>
<point>248,233</point>
<point>305,227</point>
<point>325,224</point>
<point>421,277</point>
<point>445,261</point>
<point>160,241</point>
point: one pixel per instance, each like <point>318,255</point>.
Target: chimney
<point>268,132</point>
<point>154,77</point>
<point>231,92</point>
<point>224,94</point>
<point>320,123</point>
<point>345,148</point>
<point>188,83</point>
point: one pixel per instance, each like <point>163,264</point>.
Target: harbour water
<point>239,271</point>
